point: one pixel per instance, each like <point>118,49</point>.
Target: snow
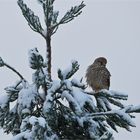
<point>69,69</point>
<point>26,97</point>
<point>42,121</point>
<point>37,125</point>
<point>28,136</point>
<point>33,120</point>
<point>31,12</point>
<point>19,136</point>
<point>44,32</point>
<point>68,84</point>
<point>106,102</point>
<point>125,117</point>
<point>101,103</point>
<point>76,82</point>
<point>38,77</point>
<point>92,135</point>
<point>105,136</point>
<point>93,129</point>
<point>114,94</point>
<point>25,111</point>
<point>24,135</point>
<point>23,124</point>
<point>81,121</point>
<point>134,108</point>
<point>21,4</point>
<point>118,93</point>
<point>76,96</point>
<point>35,59</point>
<point>47,105</point>
<point>25,84</point>
<point>80,96</point>
<point>3,100</point>
<point>55,85</point>
<point>70,99</point>
<point>31,52</point>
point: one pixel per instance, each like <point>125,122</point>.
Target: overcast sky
<point>109,28</point>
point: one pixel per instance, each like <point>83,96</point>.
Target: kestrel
<point>98,76</point>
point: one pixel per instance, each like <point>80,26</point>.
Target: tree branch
<point>14,70</point>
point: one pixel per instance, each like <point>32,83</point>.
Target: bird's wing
<point>105,77</point>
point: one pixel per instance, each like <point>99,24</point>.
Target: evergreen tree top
<point>49,109</point>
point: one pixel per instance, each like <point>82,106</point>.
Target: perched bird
<point>97,75</point>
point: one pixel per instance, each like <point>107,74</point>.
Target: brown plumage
<point>98,76</point>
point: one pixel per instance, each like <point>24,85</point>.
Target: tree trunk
<point>48,55</point>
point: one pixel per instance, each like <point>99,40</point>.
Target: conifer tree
<point>51,109</point>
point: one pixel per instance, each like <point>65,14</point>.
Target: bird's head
<point>100,61</point>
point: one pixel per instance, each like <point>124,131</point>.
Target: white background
<point>109,28</point>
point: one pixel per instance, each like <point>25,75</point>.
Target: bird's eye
<point>101,63</point>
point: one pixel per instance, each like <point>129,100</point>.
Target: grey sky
<point>109,28</point>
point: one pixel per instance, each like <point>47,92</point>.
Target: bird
<point>97,75</point>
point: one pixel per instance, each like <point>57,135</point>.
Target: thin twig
<point>101,113</point>
<point>37,31</point>
<point>11,68</point>
<point>90,93</point>
<point>18,84</point>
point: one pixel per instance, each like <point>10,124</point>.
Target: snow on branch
<point>46,2</point>
<point>3,100</point>
<point>36,61</point>
<point>13,91</point>
<point>27,98</point>
<point>122,116</point>
<point>32,19</point>
<point>40,77</point>
<point>107,135</point>
<point>133,109</point>
<point>84,100</point>
<point>115,102</point>
<point>72,102</point>
<point>67,73</point>
<point>50,15</point>
<point>38,125</point>
<point>50,109</point>
<point>51,94</point>
<point>112,94</point>
<point>64,106</point>
<point>72,13</point>
<point>78,83</point>
<point>106,97</point>
<point>69,16</point>
<point>125,117</point>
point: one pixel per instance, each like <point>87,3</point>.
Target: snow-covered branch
<point>72,13</point>
<point>32,19</point>
<point>48,109</point>
<point>67,73</point>
<point>112,94</point>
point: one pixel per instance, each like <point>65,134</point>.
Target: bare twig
<point>14,70</point>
